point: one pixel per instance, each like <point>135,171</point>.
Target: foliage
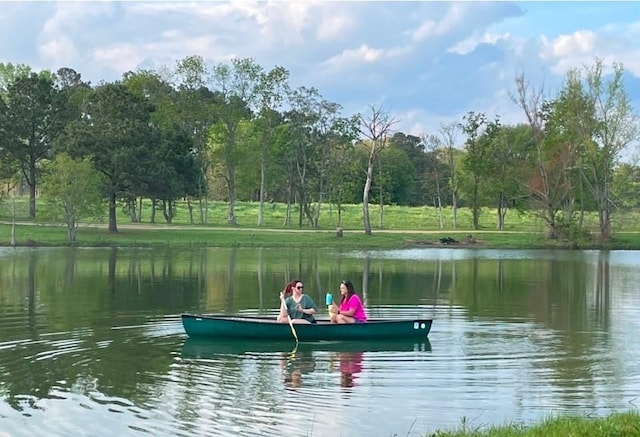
<point>116,133</point>
<point>237,132</point>
<point>30,120</point>
<point>72,201</point>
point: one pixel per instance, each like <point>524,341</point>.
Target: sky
<point>425,63</point>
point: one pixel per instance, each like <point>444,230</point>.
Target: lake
<point>91,341</point>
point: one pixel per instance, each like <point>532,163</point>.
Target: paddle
<point>293,330</point>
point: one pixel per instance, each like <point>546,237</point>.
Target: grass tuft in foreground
<point>617,425</point>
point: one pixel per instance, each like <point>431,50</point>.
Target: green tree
<point>448,134</point>
<point>302,148</point>
<point>195,114</point>
<point>480,134</point>
<point>508,159</point>
<point>72,201</point>
<point>9,73</point>
<point>414,148</point>
<point>116,132</point>
<point>606,124</point>
<point>271,91</point>
<point>174,171</point>
<point>435,174</point>
<point>32,121</point>
<point>237,84</point>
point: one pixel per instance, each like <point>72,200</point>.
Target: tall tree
<point>434,173</point>
<point>610,126</point>
<point>194,105</point>
<point>480,133</point>
<point>508,160</point>
<point>547,184</point>
<point>237,83</point>
<point>448,134</point>
<point>375,127</point>
<point>414,148</point>
<point>33,121</point>
<point>302,150</point>
<point>271,91</point>
<point>116,132</point>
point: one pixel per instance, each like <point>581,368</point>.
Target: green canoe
<point>263,328</point>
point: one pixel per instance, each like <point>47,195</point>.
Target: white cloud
<point>333,27</point>
<point>429,61</point>
<point>351,57</point>
<point>120,58</point>
<point>582,47</point>
<point>434,28</point>
<point>468,45</point>
<point>60,49</point>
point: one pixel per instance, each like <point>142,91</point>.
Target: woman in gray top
<point>299,306</point>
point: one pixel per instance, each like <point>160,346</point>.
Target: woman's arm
<point>350,312</point>
<point>309,306</point>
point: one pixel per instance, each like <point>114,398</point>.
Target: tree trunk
<point>190,208</point>
<point>72,231</point>
<point>365,198</point>
<point>154,207</point>
<point>454,209</point>
<point>113,228</point>
<point>231,186</point>
<point>13,222</point>
<point>261,201</point>
<point>381,212</point>
<point>475,205</point>
<point>32,201</point>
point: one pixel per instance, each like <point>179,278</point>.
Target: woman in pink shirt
<point>351,309</point>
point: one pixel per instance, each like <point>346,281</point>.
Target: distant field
<point>401,227</point>
<point>394,217</point>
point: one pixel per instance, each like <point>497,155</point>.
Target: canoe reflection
<point>306,362</point>
<point>206,348</point>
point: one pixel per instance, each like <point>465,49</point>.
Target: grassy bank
<point>402,227</point>
<point>193,236</point>
<point>617,425</point>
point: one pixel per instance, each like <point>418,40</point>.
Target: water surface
<point>91,342</point>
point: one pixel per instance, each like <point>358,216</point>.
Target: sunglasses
<point>300,287</point>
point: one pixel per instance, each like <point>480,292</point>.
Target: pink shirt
<point>351,303</point>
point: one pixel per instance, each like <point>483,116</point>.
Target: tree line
<point>237,131</point>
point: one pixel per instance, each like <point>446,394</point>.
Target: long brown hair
<point>288,289</point>
<point>350,291</point>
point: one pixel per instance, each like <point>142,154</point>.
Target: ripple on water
<point>154,383</point>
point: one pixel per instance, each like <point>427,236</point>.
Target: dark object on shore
<point>339,232</point>
<point>448,240</point>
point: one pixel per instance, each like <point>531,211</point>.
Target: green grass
<point>402,227</point>
<point>616,425</point>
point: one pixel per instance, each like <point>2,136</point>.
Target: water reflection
<point>350,366</point>
<point>296,364</point>
<point>524,332</point>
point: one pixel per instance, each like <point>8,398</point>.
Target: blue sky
<point>425,62</point>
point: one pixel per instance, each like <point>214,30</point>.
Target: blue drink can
<point>328,299</point>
